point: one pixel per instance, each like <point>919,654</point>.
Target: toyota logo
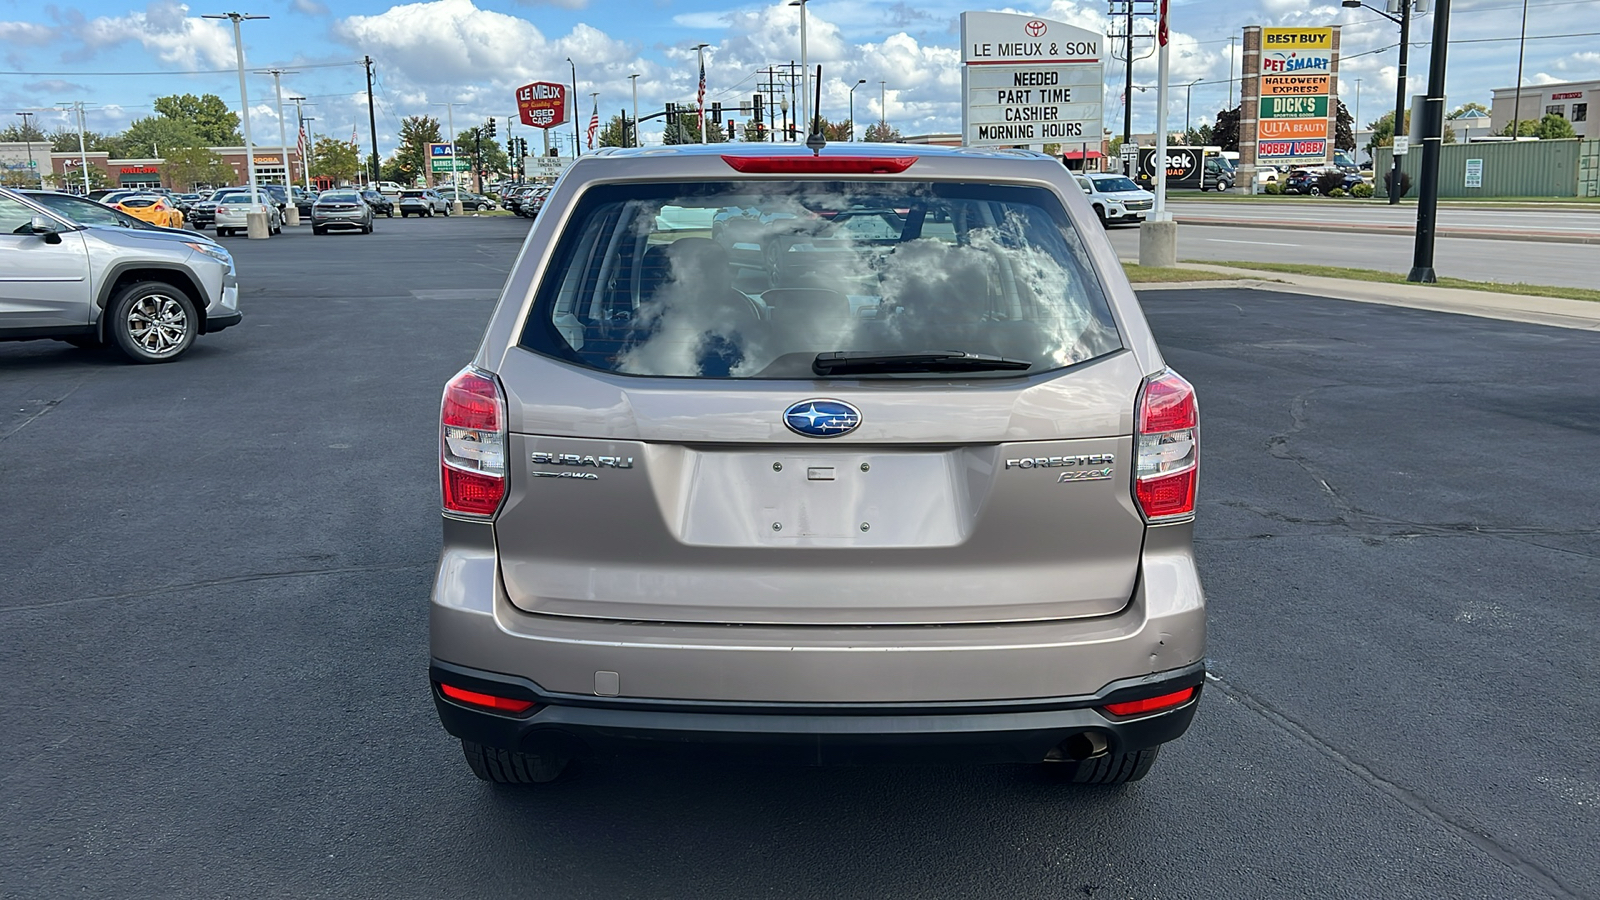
<point>1034,28</point>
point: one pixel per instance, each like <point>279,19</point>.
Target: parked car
<point>423,202</point>
<point>233,207</point>
<point>512,198</point>
<point>147,292</point>
<point>1309,180</point>
<point>470,201</point>
<point>1115,198</point>
<point>152,208</point>
<point>532,201</point>
<point>202,214</point>
<point>303,199</point>
<point>339,210</point>
<point>87,212</point>
<point>380,204</point>
<point>934,499</point>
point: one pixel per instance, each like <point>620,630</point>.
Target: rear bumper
<point>809,734</point>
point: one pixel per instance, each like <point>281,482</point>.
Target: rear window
<point>756,279</point>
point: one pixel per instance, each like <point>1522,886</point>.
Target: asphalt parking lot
<point>214,629</point>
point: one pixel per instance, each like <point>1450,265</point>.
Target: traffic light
<point>716,113</point>
<point>730,130</point>
<point>491,128</point>
<point>756,104</point>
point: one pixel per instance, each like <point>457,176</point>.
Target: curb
<point>1557,312</point>
<point>1556,237</point>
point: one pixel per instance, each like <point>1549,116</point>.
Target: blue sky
<point>475,52</point>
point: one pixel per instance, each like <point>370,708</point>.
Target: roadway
<point>1504,261</point>
<point>215,629</point>
<point>1524,221</point>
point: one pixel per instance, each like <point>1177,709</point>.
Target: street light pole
<point>805,70</point>
<point>577,146</point>
<point>1432,137</point>
<point>244,116</point>
<point>292,212</point>
<point>1404,21</point>
<point>883,107</point>
<point>27,135</point>
<point>635,79</point>
<point>1516,104</point>
<point>455,175</point>
<point>853,107</point>
<point>1187,91</point>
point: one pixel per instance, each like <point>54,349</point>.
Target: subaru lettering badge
<point>822,418</point>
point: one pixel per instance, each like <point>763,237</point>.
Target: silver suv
<point>867,455</point>
<point>150,293</point>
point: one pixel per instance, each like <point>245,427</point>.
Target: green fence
<point>1510,169</point>
<point>1589,169</point>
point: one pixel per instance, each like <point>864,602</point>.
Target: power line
<point>175,71</point>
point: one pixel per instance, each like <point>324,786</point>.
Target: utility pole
<point>372,126</point>
<point>1432,137</point>
<point>805,110</point>
<point>83,152</point>
<point>1522,46</point>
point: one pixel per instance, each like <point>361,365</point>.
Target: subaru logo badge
<point>822,418</point>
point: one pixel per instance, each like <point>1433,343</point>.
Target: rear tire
<point>498,766</point>
<point>1113,768</point>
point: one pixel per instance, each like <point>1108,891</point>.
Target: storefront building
<point>146,173</point>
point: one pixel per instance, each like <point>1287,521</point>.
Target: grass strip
<point>1493,287</point>
<point>1169,274</point>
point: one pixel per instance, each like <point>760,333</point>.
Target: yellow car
<point>152,208</point>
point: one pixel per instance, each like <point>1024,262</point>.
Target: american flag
<point>354,140</point>
<point>302,143</point>
<point>594,122</point>
<point>700,96</point>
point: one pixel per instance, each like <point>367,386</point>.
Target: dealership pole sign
<point>543,104</point>
<point>1297,67</point>
<point>1027,81</point>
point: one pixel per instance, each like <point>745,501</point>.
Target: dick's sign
<point>1027,81</point>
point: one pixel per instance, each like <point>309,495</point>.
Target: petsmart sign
<point>1027,81</point>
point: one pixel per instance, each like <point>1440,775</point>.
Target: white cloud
<point>314,8</point>
<point>165,29</point>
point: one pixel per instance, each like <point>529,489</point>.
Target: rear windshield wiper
<point>861,362</point>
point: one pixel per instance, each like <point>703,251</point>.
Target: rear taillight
<point>1151,704</point>
<point>1168,448</point>
<point>487,701</point>
<point>472,444</point>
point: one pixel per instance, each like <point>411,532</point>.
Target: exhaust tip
<point>1079,747</point>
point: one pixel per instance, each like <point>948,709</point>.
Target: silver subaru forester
<point>866,454</point>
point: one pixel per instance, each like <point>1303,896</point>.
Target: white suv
<point>1115,198</point>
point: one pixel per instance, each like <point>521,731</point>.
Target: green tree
<point>187,167</point>
<point>615,134</point>
<point>335,159</point>
<point>18,178</point>
<point>23,131</point>
<point>1465,108</point>
<point>1204,136</point>
<point>207,115</point>
<point>1554,128</point>
<point>1383,130</point>
<point>66,141</point>
<point>1344,133</point>
<point>838,131</point>
<point>155,136</point>
<point>72,179</point>
<point>1525,128</point>
<point>882,133</point>
<point>1225,133</point>
<point>416,133</point>
<point>686,130</point>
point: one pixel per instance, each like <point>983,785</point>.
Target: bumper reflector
<point>1150,704</point>
<point>487,701</point>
